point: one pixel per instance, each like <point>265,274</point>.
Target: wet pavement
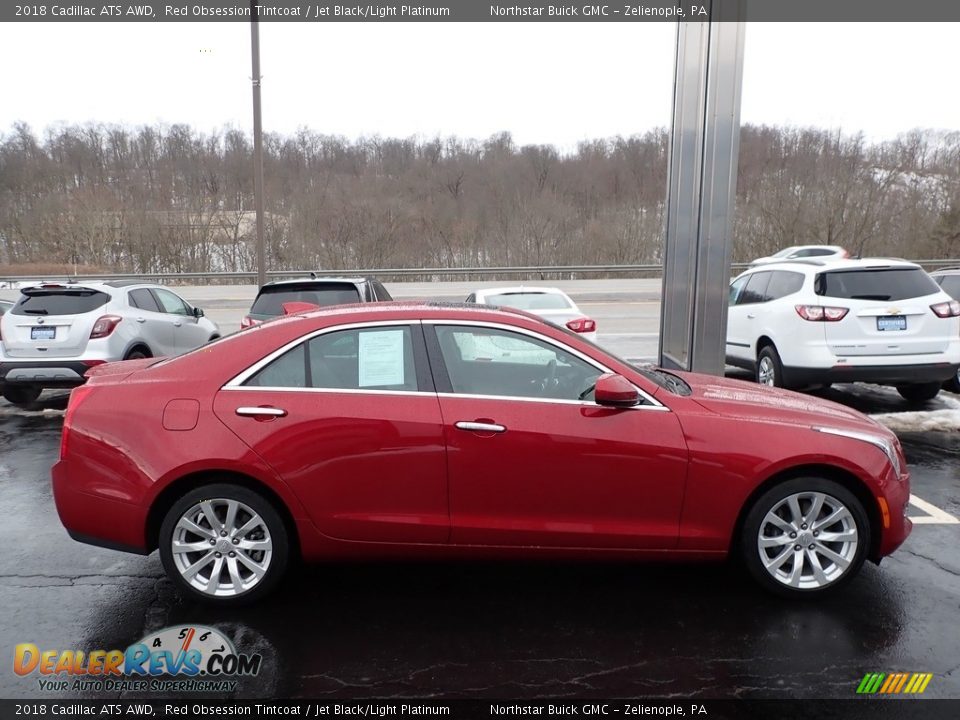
<point>505,630</point>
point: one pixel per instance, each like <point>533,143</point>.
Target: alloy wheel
<point>808,540</point>
<point>221,547</point>
<point>766,373</point>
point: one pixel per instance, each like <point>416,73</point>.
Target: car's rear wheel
<point>21,396</point>
<point>137,354</point>
<point>769,367</point>
<point>224,543</point>
<point>805,537</point>
<point>920,392</point>
<point>953,384</point>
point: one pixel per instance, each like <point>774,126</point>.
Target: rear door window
<point>144,300</point>
<point>756,289</point>
<point>880,284</point>
<point>271,299</point>
<point>59,301</point>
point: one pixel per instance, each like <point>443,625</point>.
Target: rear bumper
<point>96,519</point>
<point>48,373</point>
<point>881,374</point>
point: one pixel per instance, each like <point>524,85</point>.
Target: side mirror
<point>614,390</point>
<point>198,312</point>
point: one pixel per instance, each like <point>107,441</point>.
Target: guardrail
<point>538,272</point>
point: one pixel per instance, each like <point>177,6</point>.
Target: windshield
<point>530,301</point>
<point>271,299</point>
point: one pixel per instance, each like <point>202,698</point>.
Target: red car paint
<point>389,475</point>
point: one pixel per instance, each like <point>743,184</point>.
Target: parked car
<point>56,332</point>
<point>949,280</point>
<point>807,322</point>
<point>798,252</point>
<point>319,291</point>
<point>549,303</point>
<point>372,431</point>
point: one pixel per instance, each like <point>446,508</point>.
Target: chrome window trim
<point>236,383</point>
<point>654,404</point>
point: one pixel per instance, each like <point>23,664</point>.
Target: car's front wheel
<point>920,392</point>
<point>21,396</point>
<point>224,543</point>
<point>805,537</point>
<point>953,384</point>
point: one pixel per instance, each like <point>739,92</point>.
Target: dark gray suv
<point>320,291</point>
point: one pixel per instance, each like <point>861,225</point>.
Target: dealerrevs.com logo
<point>180,658</point>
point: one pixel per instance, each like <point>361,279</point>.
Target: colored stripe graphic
<point>894,683</point>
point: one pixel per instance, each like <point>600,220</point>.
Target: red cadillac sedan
<point>398,430</point>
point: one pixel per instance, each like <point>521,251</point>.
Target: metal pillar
<point>257,143</point>
<point>702,185</point>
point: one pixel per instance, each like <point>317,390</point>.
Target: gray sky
<point>544,82</point>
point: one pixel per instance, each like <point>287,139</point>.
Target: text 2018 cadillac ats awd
<point>397,430</point>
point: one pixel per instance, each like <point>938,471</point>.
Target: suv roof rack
<point>125,283</point>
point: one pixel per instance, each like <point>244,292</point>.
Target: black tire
<point>769,358</point>
<point>219,493</point>
<point>920,392</point>
<point>953,384</point>
<point>137,354</point>
<point>213,337</point>
<point>754,557</point>
<point>21,396</point>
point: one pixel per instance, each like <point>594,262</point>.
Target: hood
<point>747,400</point>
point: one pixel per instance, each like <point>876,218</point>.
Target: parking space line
<point>934,516</point>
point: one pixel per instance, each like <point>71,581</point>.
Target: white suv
<point>805,323</point>
<point>57,331</point>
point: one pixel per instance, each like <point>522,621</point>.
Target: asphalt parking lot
<point>517,630</point>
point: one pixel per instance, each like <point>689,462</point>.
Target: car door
<point>187,332</point>
<point>350,420</point>
<point>743,317</point>
<point>156,327</point>
<point>530,463</point>
<point>737,342</point>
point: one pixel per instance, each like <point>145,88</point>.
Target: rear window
<point>271,298</point>
<point>883,285</point>
<point>529,301</point>
<point>56,301</point>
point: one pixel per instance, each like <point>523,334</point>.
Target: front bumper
<point>895,525</point>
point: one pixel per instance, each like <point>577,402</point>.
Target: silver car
<point>56,331</point>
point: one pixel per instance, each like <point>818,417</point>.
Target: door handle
<point>480,426</point>
<point>141,320</point>
<point>750,316</point>
<point>177,323</point>
<point>261,411</point>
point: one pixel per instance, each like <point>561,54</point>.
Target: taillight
<point>582,325</point>
<point>947,309</point>
<point>104,326</point>
<point>246,322</point>
<point>821,313</point>
<point>77,396</point>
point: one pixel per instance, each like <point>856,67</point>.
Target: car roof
<point>946,271</point>
<point>416,309</point>
<point>521,289</point>
<point>813,265</point>
<point>320,280</point>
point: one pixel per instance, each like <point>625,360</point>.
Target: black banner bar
<point>866,708</point>
<point>479,11</point>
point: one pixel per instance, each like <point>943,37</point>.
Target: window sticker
<point>381,358</point>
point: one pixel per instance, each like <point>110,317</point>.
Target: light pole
<point>257,143</point>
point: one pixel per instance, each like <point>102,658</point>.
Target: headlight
<point>885,444</point>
